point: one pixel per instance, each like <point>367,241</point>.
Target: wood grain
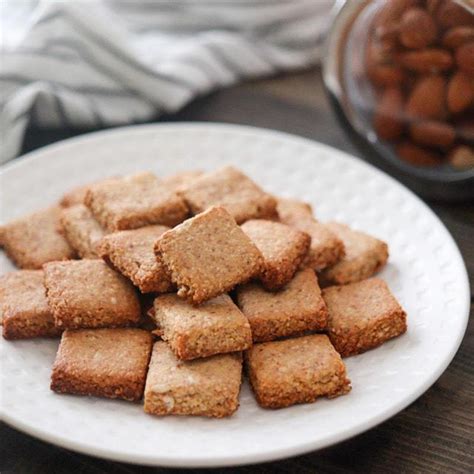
<point>433,435</point>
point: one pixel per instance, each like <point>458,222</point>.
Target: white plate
<point>425,272</point>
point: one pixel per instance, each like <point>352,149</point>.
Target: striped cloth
<point>97,64</point>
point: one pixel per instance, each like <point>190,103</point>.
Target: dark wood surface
<point>435,434</point>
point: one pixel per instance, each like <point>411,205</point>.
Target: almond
<point>450,14</point>
<point>417,29</point>
<point>460,93</point>
<point>465,58</point>
<point>432,133</point>
<point>417,155</point>
<point>380,68</point>
<point>465,129</point>
<point>392,11</point>
<point>386,75</point>
<point>432,6</point>
<point>455,37</point>
<point>426,60</point>
<point>388,121</point>
<point>379,52</point>
<point>428,99</point>
<point>387,32</point>
<point>462,157</point>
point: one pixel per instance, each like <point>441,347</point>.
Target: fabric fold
<point>91,65</point>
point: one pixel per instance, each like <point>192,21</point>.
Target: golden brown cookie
<point>362,316</point>
<point>215,327</point>
<point>293,211</point>
<point>35,239</point>
<point>300,370</point>
<point>77,194</point>
<point>364,256</point>
<point>204,387</point>
<point>296,308</point>
<point>135,201</point>
<point>89,294</point>
<point>24,307</point>
<point>233,190</point>
<point>326,247</point>
<point>131,253</point>
<point>283,249</point>
<point>109,363</point>
<point>208,255</point>
<point>179,181</point>
<point>81,230</point>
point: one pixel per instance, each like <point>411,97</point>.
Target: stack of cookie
<point>157,288</point>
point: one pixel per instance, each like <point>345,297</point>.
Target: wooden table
<point>434,434</point>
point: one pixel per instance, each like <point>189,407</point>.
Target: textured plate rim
<point>269,454</point>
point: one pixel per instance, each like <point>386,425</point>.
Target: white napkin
<point>96,64</point>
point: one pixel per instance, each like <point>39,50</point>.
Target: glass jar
<point>400,74</point>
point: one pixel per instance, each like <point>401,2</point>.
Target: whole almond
<point>387,32</point>
<point>392,11</point>
<point>465,128</point>
<point>433,133</point>
<point>380,67</point>
<point>417,29</point>
<point>379,62</point>
<point>379,52</point>
<point>460,93</point>
<point>457,36</point>
<point>386,75</point>
<point>417,155</point>
<point>465,58</point>
<point>426,60</point>
<point>451,14</point>
<point>432,6</point>
<point>427,99</point>
<point>388,122</point>
<point>462,157</point>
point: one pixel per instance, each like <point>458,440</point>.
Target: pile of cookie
<point>163,289</point>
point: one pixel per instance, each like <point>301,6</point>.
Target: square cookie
<point>300,370</point>
<point>180,181</point>
<point>362,316</point>
<point>77,195</point>
<point>109,363</point>
<point>208,255</point>
<point>215,327</point>
<point>293,211</point>
<point>131,252</point>
<point>89,294</point>
<point>24,307</point>
<point>204,387</point>
<point>326,247</point>
<point>81,230</point>
<point>298,307</point>
<point>283,249</point>
<point>74,196</point>
<point>230,188</point>
<point>364,256</point>
<point>35,239</point>
<point>135,201</point>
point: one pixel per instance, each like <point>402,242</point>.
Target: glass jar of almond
<point>401,76</point>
